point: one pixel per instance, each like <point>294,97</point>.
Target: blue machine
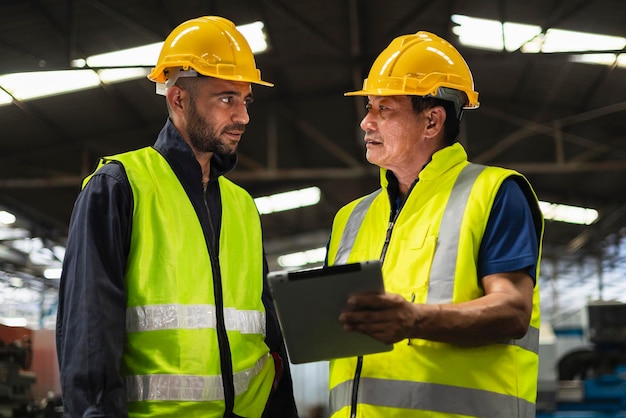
<point>592,380</point>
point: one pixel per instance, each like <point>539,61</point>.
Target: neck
<point>407,175</point>
<point>204,159</point>
<point>408,172</point>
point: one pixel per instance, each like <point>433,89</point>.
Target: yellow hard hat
<point>210,45</point>
<point>420,64</point>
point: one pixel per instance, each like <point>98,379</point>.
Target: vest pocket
<point>407,266</point>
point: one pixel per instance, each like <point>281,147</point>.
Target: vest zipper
<point>388,237</point>
<point>355,386</point>
<point>222,336</point>
<point>359,362</point>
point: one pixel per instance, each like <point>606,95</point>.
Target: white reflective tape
<point>176,316</point>
<point>171,387</point>
<point>421,396</point>
<point>352,227</point>
<point>246,322</point>
<point>443,267</point>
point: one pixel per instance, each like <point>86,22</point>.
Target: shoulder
<point>108,174</point>
<point>108,181</point>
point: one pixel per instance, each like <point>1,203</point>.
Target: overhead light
<point>602,59</point>
<point>488,33</point>
<point>559,40</point>
<point>7,218</point>
<point>569,214</point>
<point>510,36</point>
<point>13,233</point>
<point>255,35</point>
<point>288,200</point>
<point>145,55</point>
<point>52,273</point>
<point>33,85</point>
<point>111,67</point>
<point>16,282</point>
<point>116,75</point>
<point>5,98</point>
<point>59,252</point>
<point>302,258</point>
<point>24,86</point>
<point>13,321</point>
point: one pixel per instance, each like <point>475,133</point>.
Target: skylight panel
<point>511,36</point>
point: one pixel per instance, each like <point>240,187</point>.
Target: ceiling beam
<point>256,175</point>
<point>610,222</point>
<point>328,144</point>
<point>304,25</point>
<point>241,175</point>
<point>562,168</point>
<point>125,20</point>
<point>529,128</point>
<point>356,54</point>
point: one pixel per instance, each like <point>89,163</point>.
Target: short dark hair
<point>188,84</point>
<point>452,125</point>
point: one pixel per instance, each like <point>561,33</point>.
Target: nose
<point>240,114</point>
<point>367,123</point>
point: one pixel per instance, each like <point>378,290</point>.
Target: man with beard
<point>163,306</point>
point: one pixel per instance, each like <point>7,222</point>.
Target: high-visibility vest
<point>171,359</point>
<point>431,257</point>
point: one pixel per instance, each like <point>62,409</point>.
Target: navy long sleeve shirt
<point>92,298</point>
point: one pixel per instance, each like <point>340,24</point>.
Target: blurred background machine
<point>15,379</point>
<point>588,380</point>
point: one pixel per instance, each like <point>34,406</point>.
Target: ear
<point>436,119</point>
<point>175,97</point>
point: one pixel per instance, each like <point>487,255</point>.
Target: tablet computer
<point>309,302</point>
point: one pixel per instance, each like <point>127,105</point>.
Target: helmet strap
<point>457,97</point>
<point>173,74</point>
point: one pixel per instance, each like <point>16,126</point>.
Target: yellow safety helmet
<point>208,45</point>
<point>421,64</point>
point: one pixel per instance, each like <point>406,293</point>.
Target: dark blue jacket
<point>92,298</point>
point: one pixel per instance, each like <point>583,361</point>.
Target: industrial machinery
<point>15,379</point>
<point>590,379</point>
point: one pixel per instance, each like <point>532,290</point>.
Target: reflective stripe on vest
<point>352,227</point>
<point>176,316</point>
<point>529,342</point>
<point>164,387</point>
<point>432,397</point>
<point>444,261</point>
<point>172,354</point>
<point>424,395</point>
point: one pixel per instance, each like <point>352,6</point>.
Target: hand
<point>386,317</point>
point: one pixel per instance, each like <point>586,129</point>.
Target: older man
<point>460,247</point>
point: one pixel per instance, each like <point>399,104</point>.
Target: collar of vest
<point>440,162</point>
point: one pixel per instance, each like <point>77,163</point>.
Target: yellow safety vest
<point>432,254</point>
<point>171,360</point>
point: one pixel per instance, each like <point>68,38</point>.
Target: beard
<point>204,136</point>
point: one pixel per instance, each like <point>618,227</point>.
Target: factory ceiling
<point>558,121</point>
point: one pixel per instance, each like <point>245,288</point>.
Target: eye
<point>248,101</point>
<point>368,107</point>
<point>226,99</point>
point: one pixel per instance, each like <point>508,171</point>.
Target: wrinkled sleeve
<point>92,301</point>
<point>511,241</point>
